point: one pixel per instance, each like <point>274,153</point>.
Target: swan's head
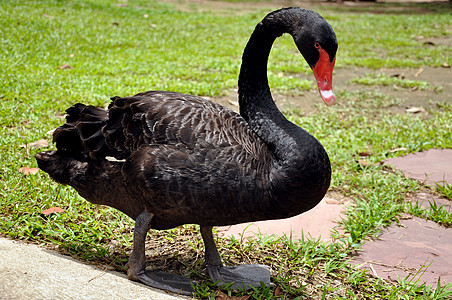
<point>317,42</point>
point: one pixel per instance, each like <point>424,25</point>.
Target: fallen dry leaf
<point>445,65</point>
<point>364,163</point>
<point>415,110</point>
<point>401,76</point>
<point>65,66</point>
<point>27,170</point>
<point>277,291</point>
<point>398,149</point>
<point>334,201</point>
<point>52,210</point>
<point>419,72</point>
<point>37,144</point>
<point>365,153</point>
<point>235,103</point>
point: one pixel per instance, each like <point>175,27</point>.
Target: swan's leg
<point>137,263</point>
<point>213,260</point>
<point>244,276</point>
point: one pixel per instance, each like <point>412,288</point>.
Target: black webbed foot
<point>166,281</point>
<point>242,277</point>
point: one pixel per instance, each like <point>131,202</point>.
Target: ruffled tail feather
<point>81,137</point>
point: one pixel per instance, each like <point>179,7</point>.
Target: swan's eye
<point>317,45</point>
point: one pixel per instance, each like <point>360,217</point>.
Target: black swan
<point>167,159</point>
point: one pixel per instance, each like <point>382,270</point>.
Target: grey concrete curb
<point>31,272</point>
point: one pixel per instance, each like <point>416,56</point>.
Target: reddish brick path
<point>403,250</point>
<point>434,165</point>
<point>400,250</point>
<point>308,223</point>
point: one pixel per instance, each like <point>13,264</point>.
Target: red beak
<point>323,73</point>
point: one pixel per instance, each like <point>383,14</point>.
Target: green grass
<point>445,190</point>
<point>385,40</point>
<point>147,45</point>
<point>397,82</point>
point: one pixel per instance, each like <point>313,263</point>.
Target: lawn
<point>54,54</point>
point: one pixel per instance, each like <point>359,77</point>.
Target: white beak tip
<point>328,97</point>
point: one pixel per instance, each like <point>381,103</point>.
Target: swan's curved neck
<point>254,92</point>
<point>256,103</point>
<point>300,165</point>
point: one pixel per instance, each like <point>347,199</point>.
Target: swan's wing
<point>167,118</point>
<point>183,154</point>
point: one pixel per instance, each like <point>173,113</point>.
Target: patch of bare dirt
<point>438,77</point>
<point>241,8</point>
<point>309,101</point>
<point>235,8</point>
<point>442,40</point>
